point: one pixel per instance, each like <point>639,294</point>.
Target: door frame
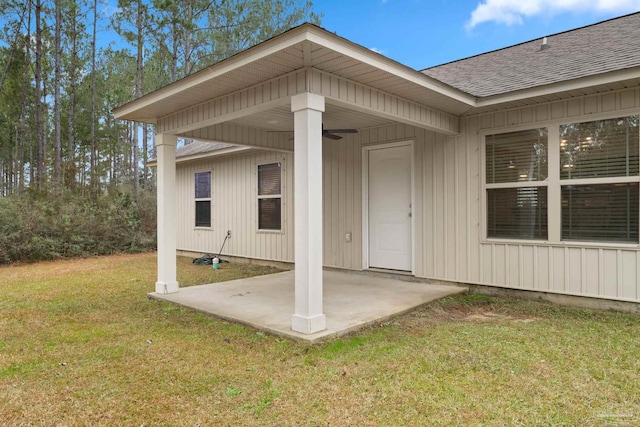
<point>365,199</point>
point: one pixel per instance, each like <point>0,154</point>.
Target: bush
<point>35,227</point>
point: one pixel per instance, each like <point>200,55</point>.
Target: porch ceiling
<point>280,119</point>
<point>302,47</point>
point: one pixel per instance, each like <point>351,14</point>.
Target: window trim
<point>553,182</point>
<point>202,199</point>
<point>281,196</point>
<point>592,181</point>
<point>484,205</point>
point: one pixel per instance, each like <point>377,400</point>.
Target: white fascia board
<point>321,37</point>
<point>216,153</point>
<point>228,65</point>
<point>381,62</point>
<point>306,32</point>
<point>576,84</point>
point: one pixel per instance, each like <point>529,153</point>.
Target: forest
<point>73,180</point>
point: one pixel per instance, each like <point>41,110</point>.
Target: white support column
<point>166,183</point>
<point>307,110</point>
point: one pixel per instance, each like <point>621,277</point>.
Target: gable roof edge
<point>563,86</point>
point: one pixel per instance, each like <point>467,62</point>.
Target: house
<point>517,168</point>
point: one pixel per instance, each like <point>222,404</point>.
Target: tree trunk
<point>187,39</point>
<point>145,154</point>
<point>174,51</point>
<point>40,177</point>
<point>70,173</point>
<point>138,94</point>
<point>23,106</point>
<point>57,106</point>
<point>93,163</point>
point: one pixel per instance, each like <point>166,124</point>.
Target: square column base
<point>167,288</point>
<point>309,325</point>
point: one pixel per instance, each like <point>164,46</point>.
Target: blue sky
<point>423,33</point>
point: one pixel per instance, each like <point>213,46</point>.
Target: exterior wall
<point>343,190</point>
<point>234,207</point>
<point>448,218</point>
<point>455,247</point>
<point>211,118</point>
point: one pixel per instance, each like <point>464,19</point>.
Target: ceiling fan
<point>331,133</point>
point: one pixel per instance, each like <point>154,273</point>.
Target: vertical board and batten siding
<point>375,101</point>
<point>242,135</point>
<point>262,96</point>
<point>342,188</point>
<point>454,248</point>
<point>448,240</point>
<point>234,207</point>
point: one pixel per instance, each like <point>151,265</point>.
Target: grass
<point>80,344</point>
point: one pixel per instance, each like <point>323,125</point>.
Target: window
<point>270,196</point>
<point>568,182</point>
<point>516,168</point>
<point>599,180</point>
<point>203,199</point>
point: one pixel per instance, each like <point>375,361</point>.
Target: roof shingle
<point>200,147</point>
<point>600,48</point>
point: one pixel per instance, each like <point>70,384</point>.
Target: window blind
<point>517,213</point>
<point>269,178</point>
<point>269,214</point>
<point>600,212</point>
<point>270,196</point>
<point>598,149</point>
<point>516,156</point>
<point>203,213</point>
<point>203,185</point>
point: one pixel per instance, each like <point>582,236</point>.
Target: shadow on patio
<point>352,300</point>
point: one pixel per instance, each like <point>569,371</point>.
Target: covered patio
<point>296,84</point>
<point>353,300</point>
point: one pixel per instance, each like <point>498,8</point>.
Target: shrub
<point>35,227</point>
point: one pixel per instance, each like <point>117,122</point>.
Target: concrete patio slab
<point>351,301</point>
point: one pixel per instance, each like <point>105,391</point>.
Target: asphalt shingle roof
<point>200,147</point>
<point>596,49</point>
<point>600,48</point>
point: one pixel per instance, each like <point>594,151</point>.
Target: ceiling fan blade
<point>341,130</point>
<point>331,136</point>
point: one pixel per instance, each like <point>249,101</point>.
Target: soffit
<point>180,98</point>
<point>285,54</point>
<point>328,60</point>
<point>335,117</point>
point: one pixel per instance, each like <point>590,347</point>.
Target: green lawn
<point>80,344</point>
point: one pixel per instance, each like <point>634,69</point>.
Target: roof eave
<point>228,65</point>
<point>377,60</point>
<point>215,153</point>
<point>305,32</point>
<point>559,87</point>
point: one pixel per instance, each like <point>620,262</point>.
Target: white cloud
<point>109,9</point>
<point>512,12</point>
<point>376,50</point>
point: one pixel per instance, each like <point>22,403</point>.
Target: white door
<point>389,171</point>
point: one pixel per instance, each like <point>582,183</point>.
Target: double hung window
<point>569,182</point>
<point>203,199</point>
<point>270,196</point>
<point>516,172</point>
<point>599,180</point>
